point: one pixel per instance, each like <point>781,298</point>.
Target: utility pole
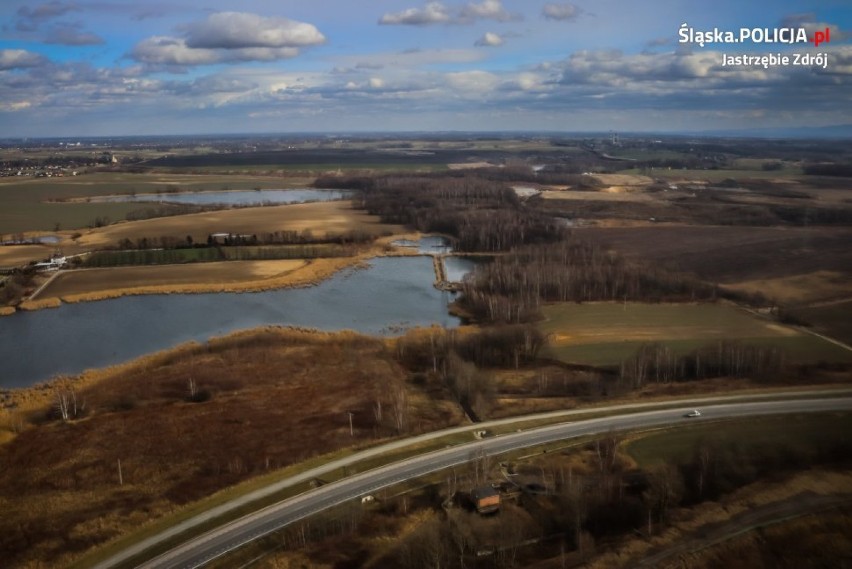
<point>120,477</point>
<point>351,430</point>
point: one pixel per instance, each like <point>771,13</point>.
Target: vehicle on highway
<point>693,413</point>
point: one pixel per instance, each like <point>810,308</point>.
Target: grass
<point>834,320</point>
<point>797,431</point>
<point>320,218</point>
<point>267,410</point>
<point>603,334</point>
<point>24,202</point>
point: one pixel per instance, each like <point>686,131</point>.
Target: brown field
<point>602,195</point>
<point>623,180</point>
<point>271,398</point>
<point>168,277</point>
<point>321,218</point>
<point>730,254</point>
<point>16,255</point>
<point>798,289</point>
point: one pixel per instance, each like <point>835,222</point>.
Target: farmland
<point>35,204</point>
<point>608,333</point>
<point>725,256</point>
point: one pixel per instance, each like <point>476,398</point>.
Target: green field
<point>24,203</point>
<point>834,320</point>
<point>604,334</point>
<point>797,431</point>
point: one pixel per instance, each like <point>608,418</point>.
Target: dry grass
<point>731,254</point>
<point>277,397</point>
<point>799,289</point>
<point>321,218</point>
<point>16,255</point>
<point>602,195</point>
<point>196,277</point>
<point>690,522</point>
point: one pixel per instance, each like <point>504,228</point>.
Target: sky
<point>131,67</point>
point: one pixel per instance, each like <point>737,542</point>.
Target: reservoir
<point>391,294</point>
<point>244,198</point>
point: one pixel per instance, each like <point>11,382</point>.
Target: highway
<point>200,550</point>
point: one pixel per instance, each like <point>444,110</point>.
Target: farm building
<point>486,499</point>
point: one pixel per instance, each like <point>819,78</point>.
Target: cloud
<point>169,51</point>
<point>437,13</point>
<point>432,13</point>
<point>488,10</point>
<point>490,39</point>
<point>808,22</point>
<point>29,19</point>
<point>15,106</point>
<point>238,30</point>
<point>472,81</point>
<point>70,34</point>
<point>566,12</point>
<point>19,59</point>
<point>228,37</point>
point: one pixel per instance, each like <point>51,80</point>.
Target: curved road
<point>202,549</point>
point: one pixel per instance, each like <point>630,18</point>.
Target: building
<point>486,499</point>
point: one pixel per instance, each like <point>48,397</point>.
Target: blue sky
<point>118,67</point>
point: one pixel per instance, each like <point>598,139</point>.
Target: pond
<point>256,197</point>
<point>392,294</point>
<point>427,244</point>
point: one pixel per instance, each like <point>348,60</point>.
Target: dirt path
<point>803,504</point>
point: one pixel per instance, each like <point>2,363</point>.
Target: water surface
<point>256,197</point>
<point>393,293</point>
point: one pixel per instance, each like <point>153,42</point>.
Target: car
<point>693,413</point>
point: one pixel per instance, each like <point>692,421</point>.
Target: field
<point>799,431</point>
<point>320,218</point>
<point>28,204</point>
<point>608,333</point>
<point>263,400</point>
<point>831,318</point>
<point>732,255</point>
<point>168,277</point>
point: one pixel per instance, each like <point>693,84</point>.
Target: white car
<point>693,413</point>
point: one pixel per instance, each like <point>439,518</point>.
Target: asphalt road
<point>201,550</point>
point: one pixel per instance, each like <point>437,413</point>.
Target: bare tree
<point>67,405</point>
<point>400,411</point>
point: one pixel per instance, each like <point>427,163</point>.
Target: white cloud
<point>228,37</point>
<point>472,81</point>
<point>437,13</point>
<point>15,106</point>
<point>489,39</point>
<point>239,30</point>
<point>432,13</point>
<point>163,50</point>
<point>488,10</point>
<point>19,59</point>
<point>561,12</point>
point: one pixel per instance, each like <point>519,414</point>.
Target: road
<point>202,549</point>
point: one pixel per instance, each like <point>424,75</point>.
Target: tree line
<point>656,363</point>
<point>479,215</point>
<point>512,288</point>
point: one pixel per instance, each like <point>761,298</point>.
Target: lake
<point>256,197</point>
<point>392,294</point>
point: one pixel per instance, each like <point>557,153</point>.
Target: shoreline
<point>311,273</point>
